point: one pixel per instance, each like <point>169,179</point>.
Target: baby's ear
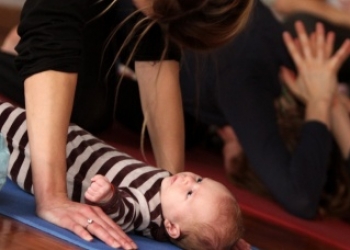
<point>173,229</point>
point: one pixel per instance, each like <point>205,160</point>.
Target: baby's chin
<point>165,183</point>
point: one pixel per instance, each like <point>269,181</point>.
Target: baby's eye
<point>189,193</point>
<point>199,180</point>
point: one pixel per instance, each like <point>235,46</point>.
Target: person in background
<point>316,100</point>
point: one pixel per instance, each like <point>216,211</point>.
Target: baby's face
<point>187,197</point>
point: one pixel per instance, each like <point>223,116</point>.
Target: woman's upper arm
<point>51,33</point>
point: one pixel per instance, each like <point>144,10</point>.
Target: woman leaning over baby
<point>66,56</point>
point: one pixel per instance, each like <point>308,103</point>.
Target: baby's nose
<point>188,179</point>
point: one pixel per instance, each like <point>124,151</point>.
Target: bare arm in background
<point>318,70</point>
<point>318,8</point>
<point>10,41</point>
<point>341,126</point>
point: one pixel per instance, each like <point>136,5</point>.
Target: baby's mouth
<point>173,179</point>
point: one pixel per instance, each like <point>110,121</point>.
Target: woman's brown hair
<point>201,24</point>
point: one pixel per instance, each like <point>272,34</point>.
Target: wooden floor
<point>17,236</point>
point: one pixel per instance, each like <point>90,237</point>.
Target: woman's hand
<point>316,82</point>
<point>232,150</point>
<point>317,66</point>
<point>85,221</point>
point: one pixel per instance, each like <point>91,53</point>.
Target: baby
<point>191,211</point>
<point>198,213</point>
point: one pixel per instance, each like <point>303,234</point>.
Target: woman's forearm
<point>162,106</point>
<point>166,128</point>
<point>49,98</point>
<point>319,110</point>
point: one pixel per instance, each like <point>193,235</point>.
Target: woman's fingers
<point>304,39</point>
<point>308,48</point>
<point>317,67</point>
<point>313,43</point>
<point>330,44</point>
<point>294,51</point>
<point>85,221</point>
<point>115,231</point>
<point>320,42</point>
<point>100,225</point>
<point>77,225</point>
<point>289,79</point>
<point>103,233</point>
<point>317,48</point>
<point>227,134</point>
<point>304,49</point>
<point>340,55</point>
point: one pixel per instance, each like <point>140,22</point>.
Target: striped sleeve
<point>14,128</point>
